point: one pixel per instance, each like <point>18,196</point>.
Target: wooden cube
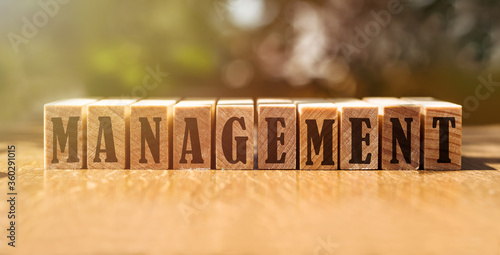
<point>277,141</point>
<point>151,133</point>
<point>193,137</point>
<point>234,134</point>
<point>108,134</point>
<point>65,134</point>
<point>318,134</point>
<point>441,134</point>
<point>358,134</point>
<point>399,138</point>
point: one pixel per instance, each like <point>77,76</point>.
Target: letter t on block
<point>441,146</point>
<point>193,136</point>
<point>108,134</point>
<point>65,134</point>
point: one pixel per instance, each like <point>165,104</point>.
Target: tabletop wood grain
<point>254,211</point>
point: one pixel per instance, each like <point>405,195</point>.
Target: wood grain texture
<point>406,117</point>
<point>277,140</point>
<point>145,117</point>
<point>318,134</point>
<point>441,139</point>
<point>233,115</point>
<point>69,117</point>
<point>193,137</point>
<point>254,211</point>
<point>108,134</point>
<point>359,120</point>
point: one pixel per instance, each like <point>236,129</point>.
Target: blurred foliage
<point>248,48</point>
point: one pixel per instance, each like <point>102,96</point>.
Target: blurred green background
<point>52,50</point>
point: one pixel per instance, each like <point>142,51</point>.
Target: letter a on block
<point>193,136</point>
<point>65,134</point>
<point>441,146</point>
<point>318,135</point>
<point>234,134</point>
<point>277,140</point>
<point>400,133</point>
<point>151,133</point>
<point>359,133</point>
<point>108,134</point>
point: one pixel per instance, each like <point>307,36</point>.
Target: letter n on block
<point>151,133</point>
<point>318,135</point>
<point>277,140</point>
<point>400,133</point>
<point>193,136</point>
<point>441,134</point>
<point>108,134</point>
<point>359,133</point>
<point>234,134</point>
<point>65,134</point>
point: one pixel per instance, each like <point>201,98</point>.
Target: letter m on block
<point>314,139</point>
<point>63,138</point>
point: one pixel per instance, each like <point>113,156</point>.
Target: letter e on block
<point>277,140</point>
<point>358,134</point>
<point>65,134</point>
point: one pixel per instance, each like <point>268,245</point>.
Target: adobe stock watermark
<point>150,81</point>
<point>363,37</point>
<point>325,246</point>
<point>221,6</point>
<point>201,201</point>
<point>483,91</point>
<point>40,19</point>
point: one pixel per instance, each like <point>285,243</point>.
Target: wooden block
<point>108,134</point>
<point>419,99</point>
<point>274,101</point>
<point>277,141</point>
<point>65,134</point>
<point>358,134</point>
<point>298,100</point>
<point>234,134</point>
<point>151,133</point>
<point>193,136</point>
<point>318,134</point>
<point>441,134</point>
<point>399,130</point>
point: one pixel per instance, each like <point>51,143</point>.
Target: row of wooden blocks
<point>323,134</point>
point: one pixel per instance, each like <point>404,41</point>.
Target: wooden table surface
<point>254,212</point>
